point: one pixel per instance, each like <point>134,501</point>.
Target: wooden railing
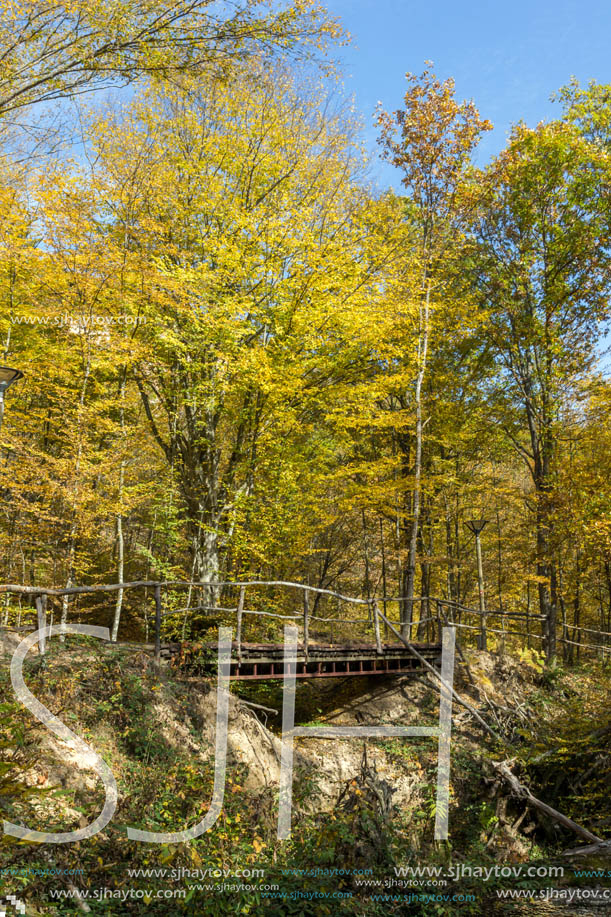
<point>434,612</point>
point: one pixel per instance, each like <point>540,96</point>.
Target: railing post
<point>306,622</point>
<point>441,613</point>
<point>158,625</point>
<point>41,613</point>
<point>376,624</point>
<point>240,612</point>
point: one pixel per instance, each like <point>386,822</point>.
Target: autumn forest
<point>242,361</point>
<point>244,355</point>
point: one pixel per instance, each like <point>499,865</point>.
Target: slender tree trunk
<point>545,566</point>
<point>423,343</point>
<point>398,529</point>
<point>384,587</point>
<point>457,552</point>
<point>452,567</point>
<point>75,492</point>
<point>120,538</point>
<point>528,638</point>
<point>577,606</point>
<point>424,624</point>
<point>547,609</point>
<point>567,652</point>
<point>7,599</point>
<point>499,558</point>
<point>367,583</point>
<point>120,559</point>
<point>601,607</point>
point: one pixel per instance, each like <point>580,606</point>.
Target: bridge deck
<point>266,660</point>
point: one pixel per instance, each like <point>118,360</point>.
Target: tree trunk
<point>120,539</point>
<point>384,587</point>
<point>75,493</point>
<point>577,607</point>
<point>453,590</point>
<point>499,558</point>
<point>424,624</point>
<point>567,649</point>
<point>120,560</point>
<point>541,448</point>
<point>608,575</point>
<point>206,561</point>
<point>528,638</point>
<point>544,571</point>
<point>367,583</point>
<point>423,343</point>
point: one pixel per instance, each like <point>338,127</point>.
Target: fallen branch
<point>602,847</point>
<point>518,789</point>
<point>249,703</point>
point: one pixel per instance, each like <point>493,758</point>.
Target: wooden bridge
<point>355,647</point>
<point>257,661</point>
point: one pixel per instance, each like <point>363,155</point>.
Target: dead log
<point>590,850</point>
<point>518,789</point>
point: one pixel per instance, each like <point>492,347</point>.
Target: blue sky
<point>507,56</point>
